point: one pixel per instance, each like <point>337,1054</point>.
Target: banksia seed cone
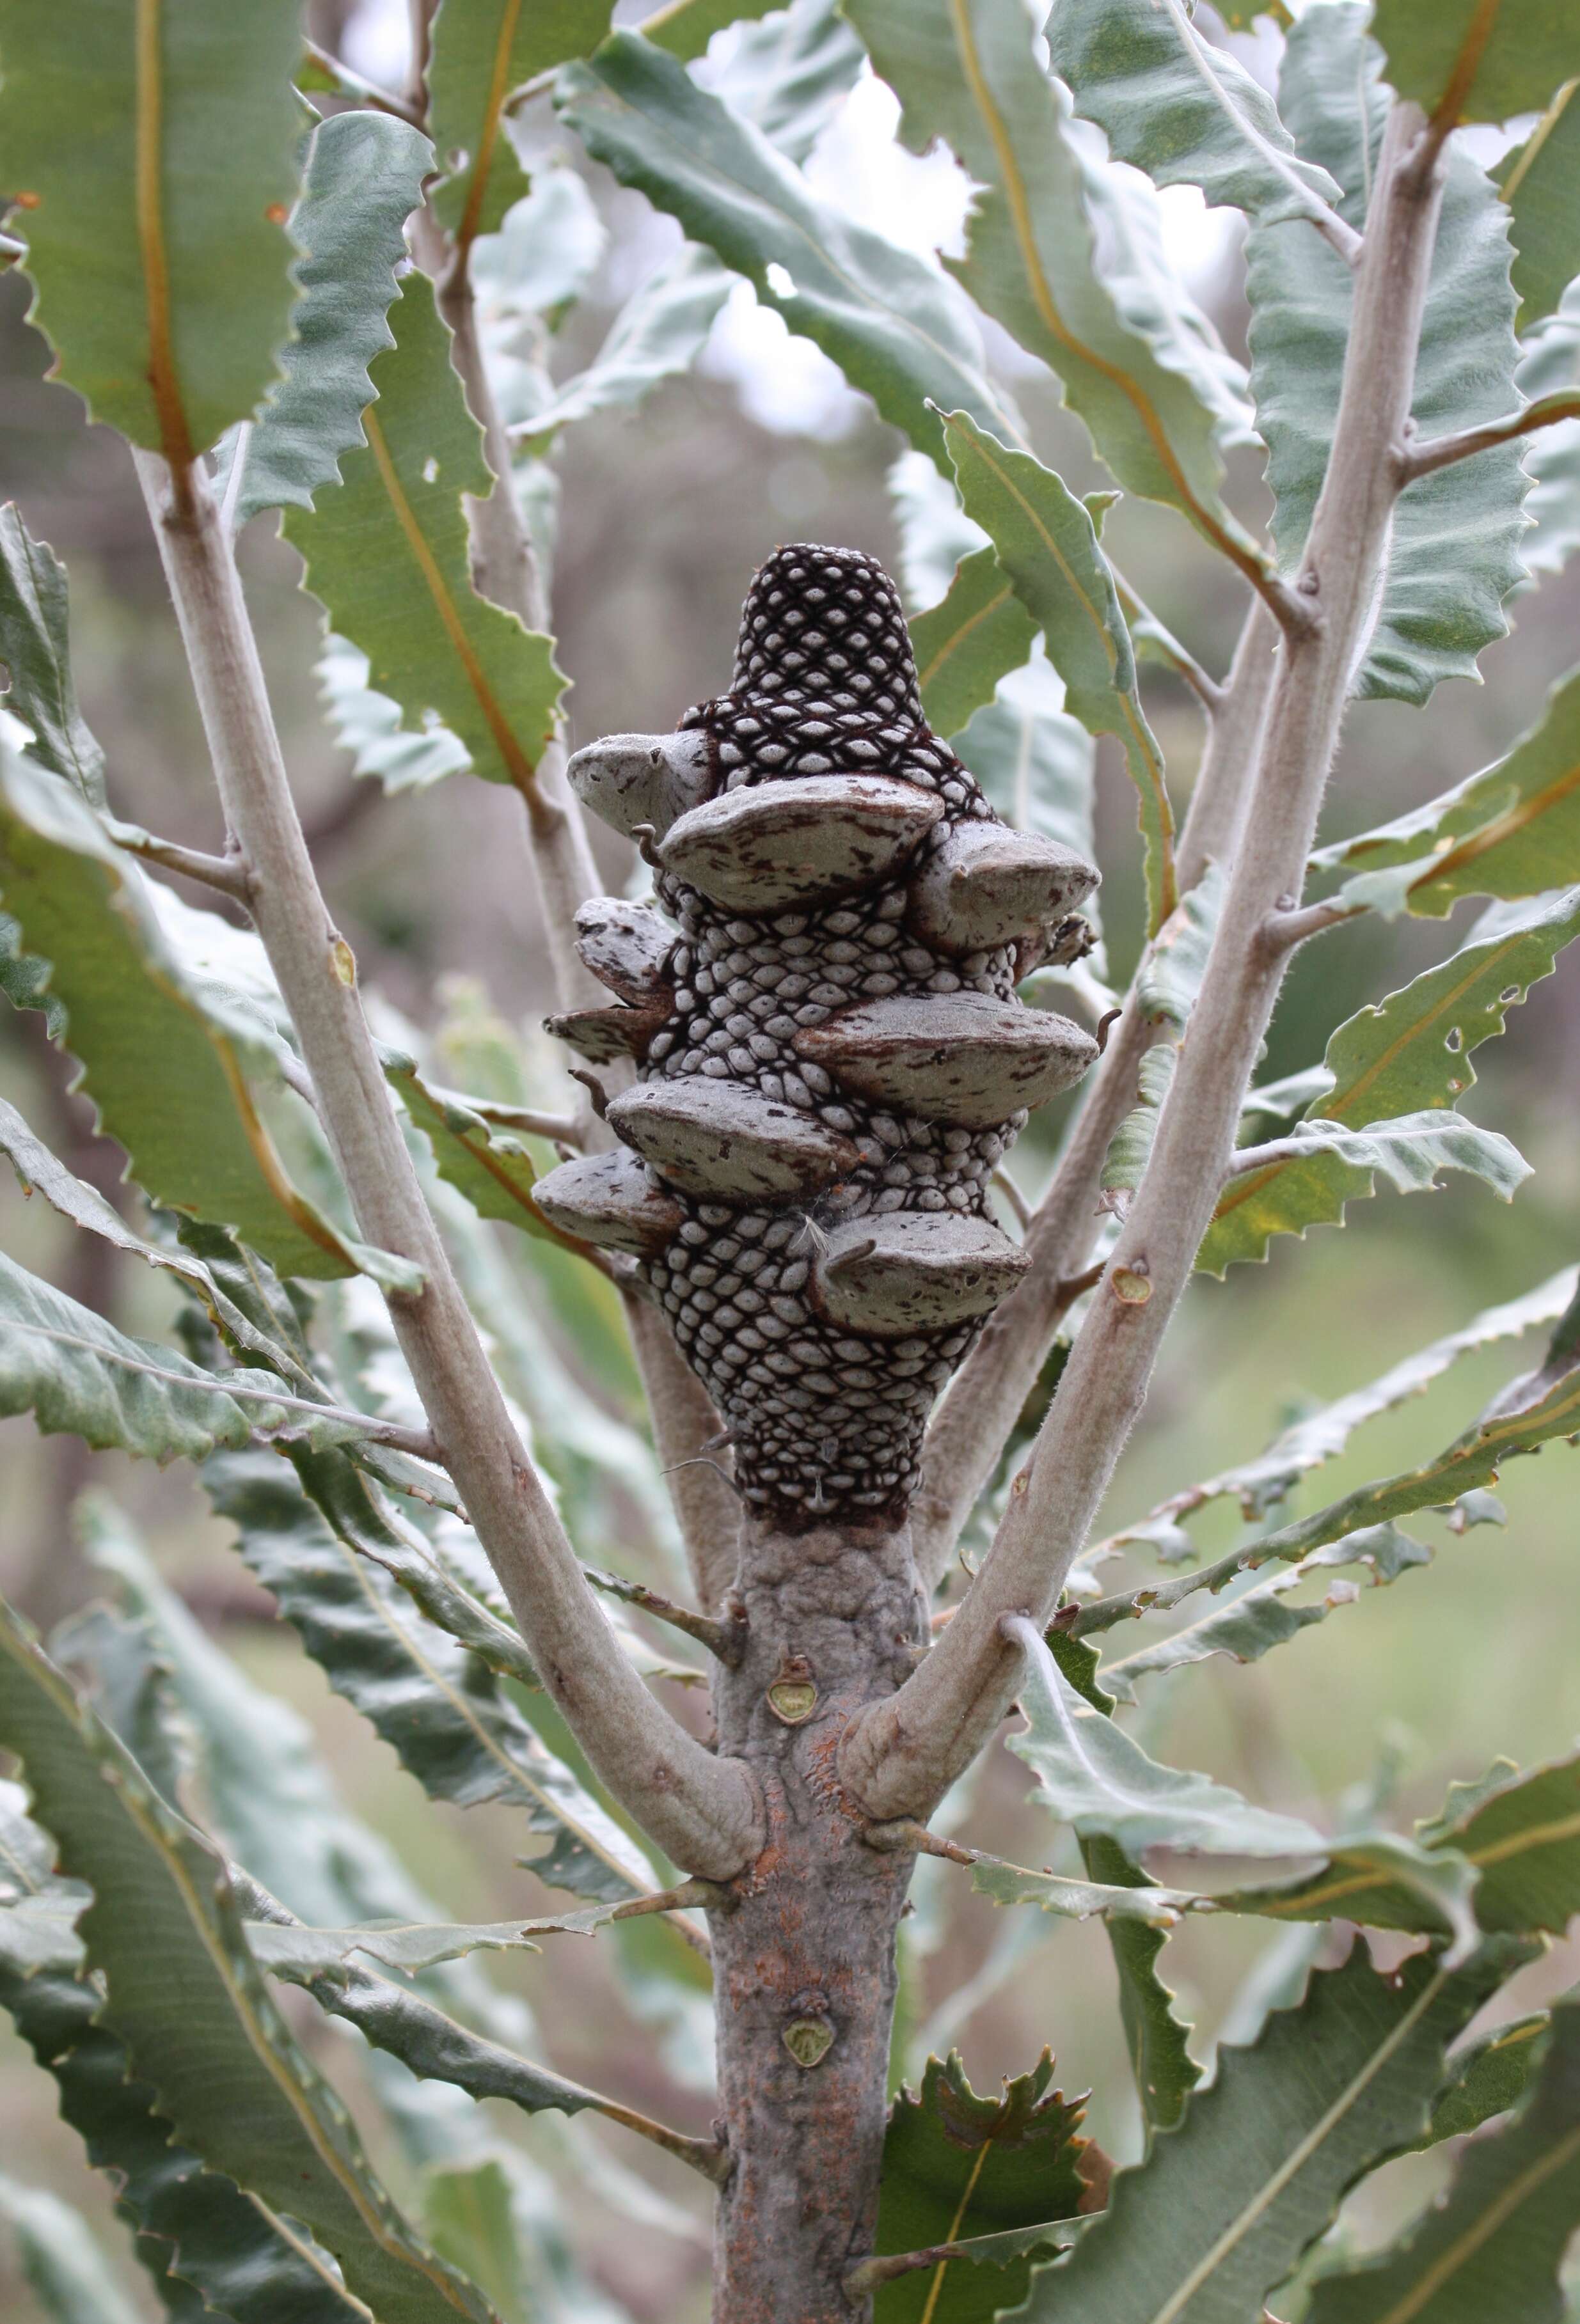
<point>831,1055</point>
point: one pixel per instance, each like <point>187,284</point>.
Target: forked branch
<point>701,1810</point>
<point>904,1753</point>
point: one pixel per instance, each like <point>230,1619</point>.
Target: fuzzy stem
<point>697,1808</point>
<point>1442,451</point>
<point>905,1753</point>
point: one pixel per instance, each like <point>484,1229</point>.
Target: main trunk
<point>804,1963</point>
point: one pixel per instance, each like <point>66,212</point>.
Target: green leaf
<point>78,1375</point>
<point>364,179</point>
<point>1462,61</point>
<point>1251,1624</point>
<point>1523,1833</point>
<point>898,332</point>
<point>685,27</point>
<point>1092,1775</point>
<point>1528,1415</point>
<point>61,2260</point>
<point>387,557</point>
<point>1261,1483</point>
<point>1131,1147</point>
<point>1046,542</point>
<point>295,1949</point>
<point>167,1053</point>
<point>1454,547</point>
<point>495,1170</point>
<point>483,50</point>
<point>39,1172</point>
<point>1540,182</point>
<point>1550,364</point>
<point>1155,2040</point>
<point>978,634</point>
<point>189,2005</point>
<point>956,2166</point>
<point>154,157</point>
<point>789,77</point>
<point>971,76</point>
<point>1033,760</point>
<point>1494,2244</point>
<point>658,332</point>
<point>327,1561</point>
<point>371,726</point>
<point>1224,2206</point>
<point>1181,108</point>
<point>1488,2075</point>
<point>1512,831</point>
<point>1406,1055</point>
<point>35,648</point>
<point>1334,1164</point>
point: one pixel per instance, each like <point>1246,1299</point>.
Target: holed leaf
<point>1540,182</point>
<point>187,2000</point>
<point>153,154</point>
<point>362,180</point>
<point>387,557</point>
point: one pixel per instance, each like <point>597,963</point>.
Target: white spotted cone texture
<point>825,1420</point>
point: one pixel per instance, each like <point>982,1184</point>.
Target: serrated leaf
<point>326,1560</point>
<point>363,179</point>
<point>1334,1164</point>
<point>1261,1483</point>
<point>1224,2206</point>
<point>657,333</point>
<point>1046,542</point>
<point>1096,1778</point>
<point>1406,1055</point>
<point>1512,831</point>
<point>957,2166</point>
<point>897,331</point>
<point>185,1998</point>
<point>1550,364</point>
<point>1163,2069</point>
<point>387,557</point>
<point>483,52</point>
<point>790,75</point>
<point>1251,1624</point>
<point>296,1950</point>
<point>166,1054</point>
<point>78,1375</point>
<point>35,648</point>
<point>1540,183</point>
<point>978,634</point>
<point>1462,61</point>
<point>1523,1833</point>
<point>59,2257</point>
<point>971,76</point>
<point>154,157</point>
<point>1495,2243</point>
<point>1181,108</point>
<point>1454,547</point>
<point>371,726</point>
<point>39,1171</point>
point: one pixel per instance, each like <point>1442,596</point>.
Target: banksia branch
<point>831,1056</point>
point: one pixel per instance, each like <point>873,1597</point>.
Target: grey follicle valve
<point>831,1056</point>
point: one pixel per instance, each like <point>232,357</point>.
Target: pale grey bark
<point>700,1809</point>
<point>903,1754</point>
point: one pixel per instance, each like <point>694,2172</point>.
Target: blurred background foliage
<point>658,518</point>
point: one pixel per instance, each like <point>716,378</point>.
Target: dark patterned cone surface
<point>840,1063</point>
